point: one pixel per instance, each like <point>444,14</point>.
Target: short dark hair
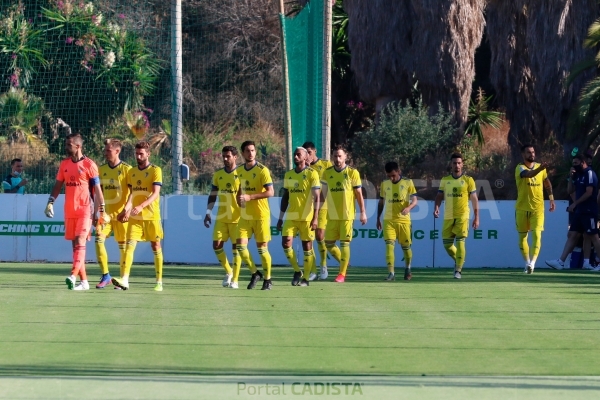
<point>113,143</point>
<point>76,137</point>
<point>391,166</point>
<point>246,144</point>
<point>337,147</point>
<point>309,145</point>
<point>230,149</point>
<point>525,147</point>
<point>143,145</point>
<point>456,155</point>
<point>14,161</point>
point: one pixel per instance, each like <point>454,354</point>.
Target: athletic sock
<point>158,264</point>
<point>450,248</point>
<point>290,254</point>
<point>389,255</point>
<point>345,259</point>
<point>265,258</point>
<point>129,251</point>
<point>245,257</point>
<point>335,252</point>
<point>101,255</point>
<point>460,253</point>
<point>309,262</point>
<point>78,260</point>
<point>536,244</point>
<point>222,257</point>
<point>407,256</point>
<point>524,246</point>
<point>237,265</point>
<point>122,258</point>
<point>322,248</point>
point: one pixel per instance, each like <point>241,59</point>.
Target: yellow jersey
<point>456,195</point>
<point>320,166</point>
<point>141,183</point>
<point>397,197</point>
<point>299,186</point>
<point>530,191</point>
<point>254,181</point>
<point>114,187</point>
<point>227,185</point>
<point>340,192</point>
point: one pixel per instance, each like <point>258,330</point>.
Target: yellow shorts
<point>291,228</point>
<point>397,231</point>
<point>119,229</point>
<point>260,228</point>
<point>529,220</point>
<point>458,227</point>
<point>77,227</point>
<point>144,231</point>
<point>224,231</point>
<point>322,219</point>
<point>339,230</point>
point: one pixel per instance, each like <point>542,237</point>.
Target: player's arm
<point>413,204</point>
<point>438,202</point>
<point>361,204</point>
<point>475,203</point>
<point>285,201</point>
<point>8,188</point>
<point>212,199</point>
<point>153,196</point>
<point>530,173</point>
<point>269,192</point>
<point>49,211</point>
<point>316,198</point>
<point>589,190</point>
<point>124,215</point>
<point>380,205</point>
<point>548,187</point>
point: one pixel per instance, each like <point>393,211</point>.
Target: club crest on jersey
<point>228,185</point>
<point>296,184</point>
<point>455,190</point>
<point>72,178</point>
<point>139,182</point>
<point>395,195</point>
<point>112,181</point>
<point>247,182</point>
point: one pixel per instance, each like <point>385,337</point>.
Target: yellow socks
<point>322,248</point>
<point>460,253</point>
<point>237,265</point>
<point>245,257</point>
<point>407,256</point>
<point>290,254</point>
<point>101,255</point>
<point>536,244</point>
<point>129,250</point>
<point>158,264</point>
<point>265,258</point>
<point>345,259</point>
<point>122,258</point>
<point>335,252</point>
<point>389,255</point>
<point>450,248</point>
<point>222,257</point>
<point>309,262</point>
<point>524,246</point>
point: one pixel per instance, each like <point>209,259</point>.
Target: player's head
<point>528,152</point>
<point>589,157</point>
<point>456,163</point>
<point>142,153</point>
<point>249,151</point>
<point>17,166</point>
<point>229,154</point>
<point>392,170</point>
<point>579,162</point>
<point>73,144</point>
<point>300,157</point>
<point>312,151</point>
<point>112,149</point>
<point>339,154</point>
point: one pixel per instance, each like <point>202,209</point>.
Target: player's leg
<point>389,238</point>
<point>346,228</point>
<point>536,222</point>
<point>405,240</point>
<point>332,234</point>
<point>135,233</point>
<point>448,238</point>
<point>577,227</point>
<point>102,232</point>
<point>288,232</point>
<point>307,236</point>
<point>523,226</point>
<point>245,231</point>
<point>120,232</point>
<point>220,236</point>
<point>321,247</point>
<point>461,232</point>
<point>263,237</point>
<point>158,264</point>
<point>82,233</point>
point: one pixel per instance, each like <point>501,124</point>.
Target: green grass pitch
<point>490,323</point>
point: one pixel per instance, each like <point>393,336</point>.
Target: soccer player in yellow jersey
<point>455,190</point>
<point>300,200</point>
<point>225,186</point>
<point>399,196</point>
<point>256,186</point>
<point>320,166</point>
<point>531,178</point>
<point>142,211</point>
<point>342,187</point>
<point>113,179</point>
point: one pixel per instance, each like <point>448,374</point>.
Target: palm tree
<point>21,113</point>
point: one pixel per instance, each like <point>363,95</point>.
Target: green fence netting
<point>303,35</point>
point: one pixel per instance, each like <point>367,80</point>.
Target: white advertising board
<point>27,235</point>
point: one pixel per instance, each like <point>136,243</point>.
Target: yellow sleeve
<point>214,181</point>
<point>355,178</point>
<point>518,171</point>
<point>128,179</point>
<point>286,181</point>
<point>157,177</point>
<point>382,190</point>
<point>471,185</point>
<point>411,188</point>
<point>265,177</point>
<point>315,183</point>
<point>545,175</point>
<point>441,187</point>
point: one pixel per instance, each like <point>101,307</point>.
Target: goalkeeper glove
<point>49,211</point>
<point>103,217</point>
